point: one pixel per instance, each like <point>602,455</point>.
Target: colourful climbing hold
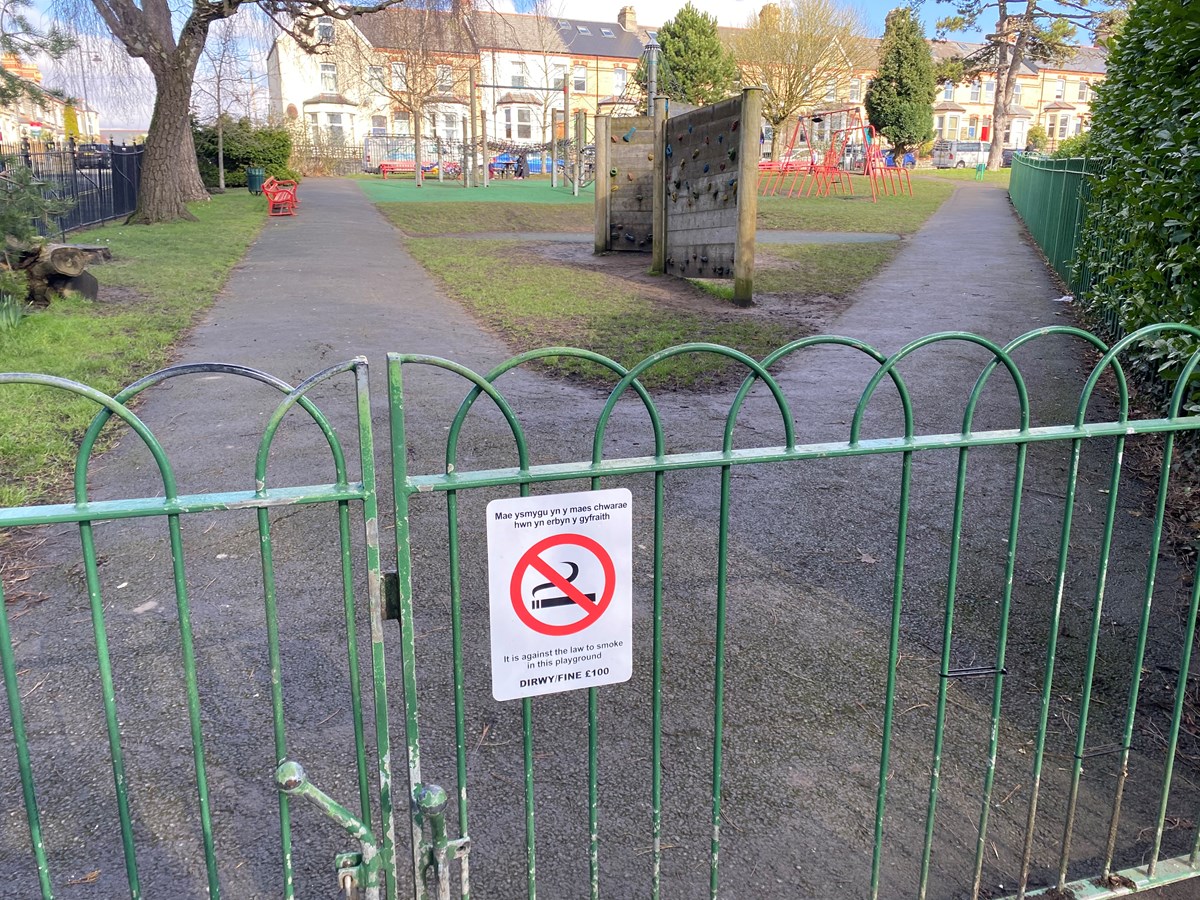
<point>628,136</point>
<point>706,167</point>
<point>612,172</point>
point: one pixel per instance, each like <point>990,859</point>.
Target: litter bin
<point>254,179</point>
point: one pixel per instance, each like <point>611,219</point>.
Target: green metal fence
<point>1050,196</point>
<point>439,624</point>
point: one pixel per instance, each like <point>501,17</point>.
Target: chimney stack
<point>627,18</point>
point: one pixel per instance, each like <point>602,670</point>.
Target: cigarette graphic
<point>548,602</point>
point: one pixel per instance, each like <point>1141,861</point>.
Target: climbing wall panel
<point>704,189</point>
<point>630,183</point>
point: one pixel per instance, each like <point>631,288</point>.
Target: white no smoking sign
<point>560,579</point>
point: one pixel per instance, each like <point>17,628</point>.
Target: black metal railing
<point>98,181</point>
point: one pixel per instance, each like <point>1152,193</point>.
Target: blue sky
<point>728,12</point>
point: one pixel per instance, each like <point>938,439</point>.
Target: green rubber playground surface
<point>404,190</point>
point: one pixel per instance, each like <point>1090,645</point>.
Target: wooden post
<point>580,137</point>
<point>554,145</point>
<point>658,195</point>
<point>487,177</point>
<point>747,197</point>
<point>440,159</point>
<point>600,223</point>
<point>471,169</point>
<point>465,148</point>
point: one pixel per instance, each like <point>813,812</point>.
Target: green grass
<point>892,214</point>
<point>462,218</point>
<point>1000,176</point>
<point>543,304</point>
<point>834,269</point>
<point>161,277</point>
<point>535,190</point>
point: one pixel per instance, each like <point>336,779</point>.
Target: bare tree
<point>225,83</point>
<point>171,42</point>
<point>1042,30</point>
<point>419,59</point>
<point>795,50</point>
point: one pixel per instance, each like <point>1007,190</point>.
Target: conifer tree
<point>697,67</point>
<point>900,99</point>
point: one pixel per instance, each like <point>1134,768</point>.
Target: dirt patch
<point>806,313</point>
<point>116,295</point>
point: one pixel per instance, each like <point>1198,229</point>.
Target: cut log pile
<point>53,269</point>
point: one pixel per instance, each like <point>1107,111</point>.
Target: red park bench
<point>281,196</point>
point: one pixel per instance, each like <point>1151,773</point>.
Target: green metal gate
<point>627,844</point>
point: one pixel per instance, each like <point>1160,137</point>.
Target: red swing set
<point>853,149</point>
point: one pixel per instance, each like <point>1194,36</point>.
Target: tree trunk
<point>170,173</point>
<point>220,151</point>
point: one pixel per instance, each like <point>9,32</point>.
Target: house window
<point>989,91</point>
<point>1083,91</point>
<point>329,78</point>
<point>1060,89</point>
<point>619,76</point>
<point>976,88</point>
<point>1079,125</point>
<point>564,24</point>
<point>830,90</point>
<point>1052,123</point>
<point>337,133</point>
<point>607,32</point>
<point>583,29</point>
<point>524,124</point>
<point>559,76</point>
<point>325,30</point>
<point>445,79</point>
<point>520,75</point>
<point>855,90</point>
<point>449,125</point>
<point>941,126</point>
<point>401,122</point>
<point>1064,123</point>
<point>973,127</point>
<point>952,132</point>
<point>375,78</point>
<point>314,129</point>
<point>399,76</point>
<point>580,80</point>
<point>508,123</point>
<point>948,93</point>
<point>378,124</point>
<point>1017,92</point>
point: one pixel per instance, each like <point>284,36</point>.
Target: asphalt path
<point>811,559</point>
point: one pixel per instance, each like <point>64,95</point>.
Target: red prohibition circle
<point>592,611</point>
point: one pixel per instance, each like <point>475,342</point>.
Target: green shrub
<point>1036,137</point>
<point>1073,147</point>
<point>1141,244</point>
<point>13,283</point>
<point>244,145</point>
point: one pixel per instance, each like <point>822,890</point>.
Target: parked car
<point>1007,157</point>
<point>92,156</point>
<point>960,154</point>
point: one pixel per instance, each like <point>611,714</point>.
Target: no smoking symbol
<point>592,609</point>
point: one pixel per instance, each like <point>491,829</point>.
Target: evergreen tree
<point>20,40</point>
<point>697,67</point>
<point>900,100</point>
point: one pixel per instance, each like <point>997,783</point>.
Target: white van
<point>960,154</point>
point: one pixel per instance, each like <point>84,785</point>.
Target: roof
<point>1089,60</point>
<point>1057,104</point>
<point>394,28</point>
<point>949,106</point>
<point>1017,111</point>
<point>520,99</point>
<point>331,99</point>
